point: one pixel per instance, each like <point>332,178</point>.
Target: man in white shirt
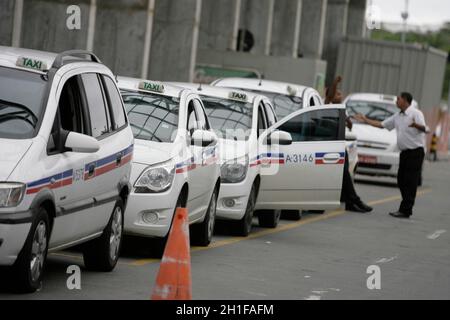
<point>411,129</point>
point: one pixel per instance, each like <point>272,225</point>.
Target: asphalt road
<point>320,257</point>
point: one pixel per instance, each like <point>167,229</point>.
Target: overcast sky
<point>420,11</point>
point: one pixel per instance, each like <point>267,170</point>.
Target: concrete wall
<point>299,71</point>
<point>356,20</point>
<point>284,27</point>
<point>119,34</point>
<point>216,25</point>
<point>44,25</point>
<point>312,28</point>
<point>173,40</point>
<point>255,18</point>
<point>6,22</point>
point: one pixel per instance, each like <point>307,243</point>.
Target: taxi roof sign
<point>151,86</point>
<point>239,96</point>
<point>291,91</point>
<point>30,63</point>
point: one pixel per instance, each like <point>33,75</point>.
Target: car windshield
<point>283,104</point>
<point>152,117</point>
<point>230,119</point>
<point>21,103</point>
<point>379,111</point>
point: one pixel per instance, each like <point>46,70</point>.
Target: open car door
<point>305,173</point>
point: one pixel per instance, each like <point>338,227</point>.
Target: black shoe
<point>399,215</point>
<point>364,206</point>
<point>354,208</point>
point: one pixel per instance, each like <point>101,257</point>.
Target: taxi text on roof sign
<point>151,86</point>
<point>238,96</point>
<point>30,63</point>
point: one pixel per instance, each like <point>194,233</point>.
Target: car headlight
<point>11,194</point>
<point>156,178</point>
<point>234,171</point>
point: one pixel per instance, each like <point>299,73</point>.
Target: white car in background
<point>270,165</point>
<point>175,161</point>
<point>377,148</point>
<point>287,98</point>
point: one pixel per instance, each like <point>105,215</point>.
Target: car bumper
<point>12,240</point>
<point>232,201</point>
<point>386,163</point>
<point>150,215</point>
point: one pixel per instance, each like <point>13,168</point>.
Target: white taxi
<point>287,98</point>
<point>65,162</point>
<point>377,148</point>
<point>175,162</point>
<point>268,166</point>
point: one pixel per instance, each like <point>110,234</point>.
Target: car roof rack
<point>59,62</point>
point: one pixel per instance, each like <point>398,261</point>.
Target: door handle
<point>91,170</point>
<point>332,157</point>
<point>119,159</point>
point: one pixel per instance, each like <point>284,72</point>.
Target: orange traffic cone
<point>174,277</point>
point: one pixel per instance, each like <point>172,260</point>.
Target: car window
<point>230,119</point>
<point>202,122</point>
<point>371,109</point>
<point>322,125</point>
<point>192,120</point>
<point>115,102</point>
<point>96,104</point>
<point>70,107</point>
<point>271,119</point>
<point>262,120</point>
<point>21,103</point>
<point>152,117</point>
<point>312,103</point>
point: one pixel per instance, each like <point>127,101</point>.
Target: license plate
<point>367,159</point>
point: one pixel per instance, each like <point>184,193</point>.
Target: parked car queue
<point>87,157</point>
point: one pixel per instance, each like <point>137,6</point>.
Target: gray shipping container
<point>391,67</point>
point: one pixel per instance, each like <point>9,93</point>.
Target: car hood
<point>149,152</point>
<point>231,149</point>
<point>368,133</point>
<point>11,154</point>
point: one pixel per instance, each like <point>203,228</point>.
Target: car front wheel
<point>102,254</point>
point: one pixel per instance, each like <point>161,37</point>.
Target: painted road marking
<point>436,234</point>
<point>262,233</point>
<point>386,260</point>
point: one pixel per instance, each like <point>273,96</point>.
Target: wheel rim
<point>116,234</point>
<point>38,249</point>
<point>249,213</point>
<point>212,216</point>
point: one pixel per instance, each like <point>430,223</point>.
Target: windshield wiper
<point>17,114</point>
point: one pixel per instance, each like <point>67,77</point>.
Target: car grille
<point>372,145</point>
<point>378,166</point>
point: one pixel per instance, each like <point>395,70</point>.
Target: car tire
<point>293,215</point>
<point>244,226</point>
<point>202,233</point>
<point>30,264</point>
<point>269,218</point>
<point>102,254</point>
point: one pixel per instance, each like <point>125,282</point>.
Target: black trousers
<point>348,193</point>
<point>408,177</point>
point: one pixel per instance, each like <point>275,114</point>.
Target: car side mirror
<point>203,138</point>
<point>82,143</point>
<point>281,138</point>
<point>350,136</point>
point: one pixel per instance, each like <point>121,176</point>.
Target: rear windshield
<point>372,109</point>
<point>229,118</point>
<point>152,117</point>
<point>21,103</point>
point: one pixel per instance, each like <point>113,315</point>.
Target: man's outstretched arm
<point>374,123</point>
